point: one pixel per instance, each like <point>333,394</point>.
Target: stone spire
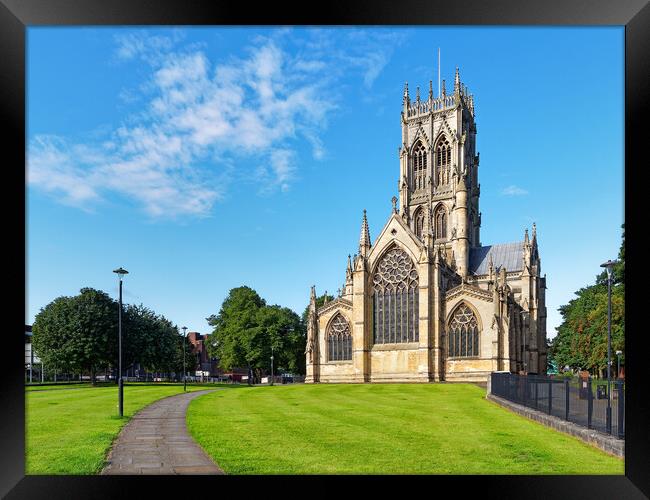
<point>406,100</point>
<point>526,240</point>
<point>430,90</point>
<point>457,82</point>
<point>417,93</point>
<point>443,92</point>
<point>348,270</point>
<point>312,295</point>
<point>534,233</point>
<point>364,239</point>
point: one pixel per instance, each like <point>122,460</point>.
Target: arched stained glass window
<point>395,299</point>
<point>443,161</point>
<point>419,161</point>
<point>440,218</point>
<point>463,333</point>
<point>339,339</point>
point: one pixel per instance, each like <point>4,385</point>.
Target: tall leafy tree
<point>77,333</point>
<point>581,341</point>
<point>246,329</point>
<point>282,330</point>
<point>236,330</point>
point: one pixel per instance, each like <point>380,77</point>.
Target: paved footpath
<point>156,441</point>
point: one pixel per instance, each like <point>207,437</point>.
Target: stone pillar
<point>425,312</point>
<point>361,322</point>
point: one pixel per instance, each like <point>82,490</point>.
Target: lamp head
<point>609,265</point>
<point>184,328</point>
<point>121,272</point>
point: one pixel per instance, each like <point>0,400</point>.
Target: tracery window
<point>440,218</point>
<point>395,299</point>
<point>339,340</point>
<point>443,161</point>
<point>419,166</point>
<point>463,333</point>
<point>419,223</point>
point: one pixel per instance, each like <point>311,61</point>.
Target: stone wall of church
<point>399,363</point>
<point>472,369</point>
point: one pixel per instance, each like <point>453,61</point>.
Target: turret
<point>462,241</point>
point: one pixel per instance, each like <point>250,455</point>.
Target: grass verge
<point>69,430</point>
<point>381,429</point>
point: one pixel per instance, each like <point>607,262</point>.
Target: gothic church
<point>427,301</point>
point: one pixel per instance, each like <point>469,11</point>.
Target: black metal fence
<point>582,401</point>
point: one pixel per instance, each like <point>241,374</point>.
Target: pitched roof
<point>510,255</point>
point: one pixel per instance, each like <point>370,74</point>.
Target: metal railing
<point>582,401</point>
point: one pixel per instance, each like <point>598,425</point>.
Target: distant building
<point>210,365</point>
<point>31,358</point>
<point>204,363</point>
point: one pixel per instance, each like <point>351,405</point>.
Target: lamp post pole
<point>608,265</point>
<point>120,383</point>
<point>184,372</point>
<point>271,365</point>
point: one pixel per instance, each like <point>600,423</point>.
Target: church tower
<point>439,170</point>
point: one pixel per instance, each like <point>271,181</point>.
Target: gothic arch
<point>419,164</point>
<point>395,295</point>
<point>418,222</point>
<point>338,338</point>
<point>421,136</point>
<point>390,246</point>
<point>441,222</point>
<point>442,160</point>
<point>463,327</point>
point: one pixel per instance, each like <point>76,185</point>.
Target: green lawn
<point>69,430</point>
<point>381,429</point>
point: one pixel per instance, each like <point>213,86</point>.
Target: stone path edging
<point>156,441</point>
<point>605,442</point>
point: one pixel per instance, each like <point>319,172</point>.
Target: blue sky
<point>201,159</point>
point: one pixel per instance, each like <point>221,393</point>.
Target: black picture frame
<point>17,15</point>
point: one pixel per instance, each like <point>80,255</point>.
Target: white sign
<point>28,355</point>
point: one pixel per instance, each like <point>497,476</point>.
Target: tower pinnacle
<point>364,239</point>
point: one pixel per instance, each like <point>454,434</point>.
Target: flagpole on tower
<point>438,71</point>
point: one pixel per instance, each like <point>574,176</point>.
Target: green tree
<point>77,333</point>
<point>581,341</point>
<point>236,330</point>
<point>154,342</point>
<point>282,329</point>
<point>245,330</point>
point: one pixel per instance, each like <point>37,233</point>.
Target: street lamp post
<point>609,265</point>
<point>184,372</point>
<point>271,365</point>
<point>120,384</point>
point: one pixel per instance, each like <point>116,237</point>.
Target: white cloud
<point>174,156</point>
<point>513,190</point>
